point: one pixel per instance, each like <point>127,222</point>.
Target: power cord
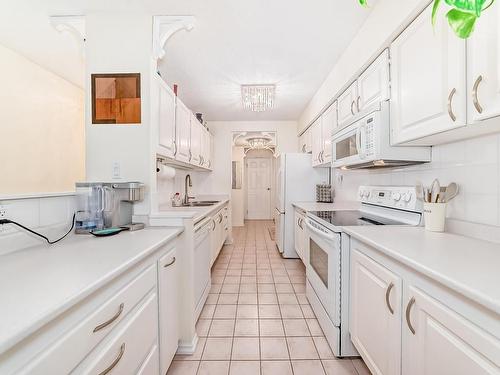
<point>7,221</point>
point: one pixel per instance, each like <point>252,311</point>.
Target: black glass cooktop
<point>352,218</point>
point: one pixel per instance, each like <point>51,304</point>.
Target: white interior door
<point>259,188</point>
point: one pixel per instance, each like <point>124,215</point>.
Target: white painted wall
<point>220,179</point>
<point>238,195</point>
<point>42,132</point>
<point>120,43</point>
<point>382,25</point>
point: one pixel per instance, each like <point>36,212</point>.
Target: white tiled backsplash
<point>49,215</point>
<point>473,164</point>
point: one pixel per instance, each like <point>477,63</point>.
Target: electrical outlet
<point>3,212</point>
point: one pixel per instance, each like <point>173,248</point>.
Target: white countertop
<point>466,265</point>
<point>197,213</point>
<point>318,206</point>
<point>39,283</point>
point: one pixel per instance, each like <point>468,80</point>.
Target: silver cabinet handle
<point>110,320</point>
<point>387,298</point>
<point>357,102</point>
<point>475,100</point>
<point>175,148</point>
<point>303,148</point>
<point>408,311</point>
<point>450,105</point>
<point>213,228</point>
<point>169,264</point>
<point>220,218</point>
<point>210,164</point>
<point>190,155</point>
<point>352,104</point>
<point>115,362</point>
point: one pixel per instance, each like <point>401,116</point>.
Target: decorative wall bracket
<point>75,25</point>
<point>166,26</point>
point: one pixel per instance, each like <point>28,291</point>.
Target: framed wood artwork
<point>116,98</point>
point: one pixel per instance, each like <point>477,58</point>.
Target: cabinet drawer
<point>150,364</point>
<point>125,350</point>
<point>72,347</point>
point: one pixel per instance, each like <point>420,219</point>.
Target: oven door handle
<point>330,237</point>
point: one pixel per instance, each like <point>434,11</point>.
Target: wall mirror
<point>42,121</point>
<point>116,98</point>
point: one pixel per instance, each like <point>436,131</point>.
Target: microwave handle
<point>359,144</point>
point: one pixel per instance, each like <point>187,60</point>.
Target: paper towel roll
<point>165,172</point>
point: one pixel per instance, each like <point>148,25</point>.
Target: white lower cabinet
<point>404,323</point>
<point>300,233</point>
<point>129,326</point>
<point>376,314</point>
<point>168,308</point>
<point>437,340</point>
<point>219,232</point>
<point>127,348</point>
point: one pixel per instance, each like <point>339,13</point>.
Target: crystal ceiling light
<point>258,98</point>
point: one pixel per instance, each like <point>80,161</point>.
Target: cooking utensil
<point>420,191</point>
<point>435,189</point>
<point>451,192</point>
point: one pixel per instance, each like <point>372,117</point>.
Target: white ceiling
<point>293,44</point>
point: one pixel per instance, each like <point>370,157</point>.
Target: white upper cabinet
<point>317,142</point>
<point>183,131</point>
<point>328,125</point>
<point>164,116</point>
<point>347,105</point>
<point>373,84</point>
<point>437,340</point>
<point>206,152</point>
<point>196,139</point>
<point>483,67</point>
<point>305,142</point>
<point>428,91</point>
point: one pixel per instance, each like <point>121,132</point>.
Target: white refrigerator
<point>296,181</point>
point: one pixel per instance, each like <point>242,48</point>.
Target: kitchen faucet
<point>187,181</point>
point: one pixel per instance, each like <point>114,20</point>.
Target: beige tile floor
<point>257,319</point>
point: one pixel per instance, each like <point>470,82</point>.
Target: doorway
<point>259,187</point>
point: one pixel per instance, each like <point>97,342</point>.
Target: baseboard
<point>188,348</point>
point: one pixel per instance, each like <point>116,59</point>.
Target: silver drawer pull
<point>357,102</point>
<point>115,362</point>
<point>169,264</point>
<point>387,298</point>
<point>408,311</point>
<point>352,110</point>
<point>108,322</point>
<point>450,105</point>
<point>475,100</point>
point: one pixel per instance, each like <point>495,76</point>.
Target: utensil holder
<point>434,216</point>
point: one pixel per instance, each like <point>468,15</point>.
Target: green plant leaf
<point>472,6</point>
<point>461,22</point>
<point>435,8</point>
<point>363,3</point>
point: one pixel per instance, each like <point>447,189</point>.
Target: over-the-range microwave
<point>366,144</point>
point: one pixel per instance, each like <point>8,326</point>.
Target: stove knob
<point>396,196</point>
<point>367,194</point>
<point>407,197</point>
<point>361,193</point>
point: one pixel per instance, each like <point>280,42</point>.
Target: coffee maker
<point>102,205</point>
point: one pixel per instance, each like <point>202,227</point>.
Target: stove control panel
<point>400,197</point>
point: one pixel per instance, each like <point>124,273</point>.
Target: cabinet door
<point>195,141</point>
<point>298,234</point>
<point>483,67</point>
<point>375,314</point>
<point>373,84</point>
<point>443,341</point>
<point>183,131</point>
<point>168,309</point>
<point>206,148</point>
<point>166,119</point>
<point>317,142</point>
<point>328,124</point>
<point>347,106</point>
<point>428,80</point>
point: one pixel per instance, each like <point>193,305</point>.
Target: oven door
<point>323,267</point>
<point>348,146</point>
